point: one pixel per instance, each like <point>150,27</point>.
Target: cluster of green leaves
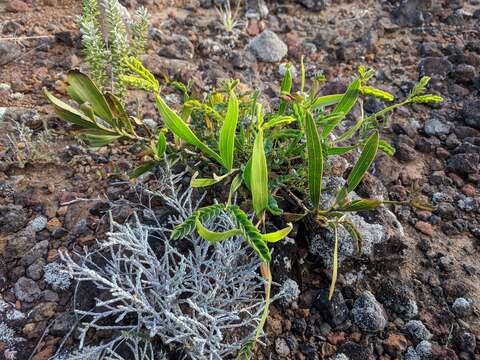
<point>109,39</point>
<point>262,156</point>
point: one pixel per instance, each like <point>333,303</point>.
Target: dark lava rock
<point>179,48</point>
<point>354,351</point>
<point>465,341</point>
<point>409,12</point>
<point>471,113</point>
<point>26,290</point>
<point>268,47</point>
<point>368,313</point>
<point>435,67</point>
<point>334,311</point>
<point>398,296</point>
<point>314,5</point>
<point>12,218</point>
<point>464,164</point>
<point>464,73</point>
<point>62,324</point>
<point>436,127</point>
<point>405,152</point>
<point>8,52</point>
<point>417,330</point>
<point>462,307</point>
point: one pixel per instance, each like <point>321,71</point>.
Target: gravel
<point>368,313</point>
<point>268,47</point>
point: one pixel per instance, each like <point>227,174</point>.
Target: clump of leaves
<point>109,38</point>
<point>261,153</point>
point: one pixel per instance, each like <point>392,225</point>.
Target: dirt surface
<point>49,174</point>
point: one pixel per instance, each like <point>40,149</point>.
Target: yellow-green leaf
<point>277,235</point>
<point>226,145</point>
<point>364,161</point>
<point>203,182</point>
<point>259,175</point>
<point>215,236</point>
<point>83,90</point>
<point>315,160</point>
<point>177,126</point>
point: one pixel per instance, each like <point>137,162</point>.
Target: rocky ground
<point>413,296</point>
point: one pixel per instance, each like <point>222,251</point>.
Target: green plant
<point>262,153</point>
<point>228,17</point>
<point>109,40</point>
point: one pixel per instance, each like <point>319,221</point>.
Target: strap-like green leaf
<point>215,236</point>
<point>142,169</point>
<point>344,106</point>
<point>203,182</point>
<point>277,235</point>
<point>364,161</point>
<point>80,87</point>
<point>361,205</point>
<point>69,113</point>
<point>326,100</point>
<point>98,137</point>
<point>251,234</point>
<point>339,150</point>
<point>234,186</point>
<point>226,145</point>
<point>177,126</point>
<point>119,112</point>
<point>315,160</point>
<point>259,175</point>
<point>161,145</point>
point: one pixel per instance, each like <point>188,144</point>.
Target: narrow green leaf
<point>69,113</point>
<point>119,112</point>
<point>161,145</point>
<point>355,234</point>
<point>82,88</point>
<point>203,182</point>
<point>344,106</point>
<point>259,175</point>
<point>364,161</point>
<point>177,126</point>
<point>234,186</point>
<point>98,137</point>
<point>226,145</point>
<point>315,160</point>
<point>142,169</point>
<point>277,235</point>
<point>327,100</point>
<point>247,174</point>
<point>339,150</point>
<point>361,205</point>
<point>286,85</point>
<point>215,236</point>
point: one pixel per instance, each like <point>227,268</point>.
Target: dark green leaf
<point>315,160</point>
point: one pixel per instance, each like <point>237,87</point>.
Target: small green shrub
<point>258,152</point>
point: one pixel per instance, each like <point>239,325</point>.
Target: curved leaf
<point>80,87</point>
<point>251,234</point>
<point>259,175</point>
<point>204,214</point>
<point>226,145</point>
<point>344,106</point>
<point>277,235</point>
<point>363,163</point>
<point>315,160</point>
<point>215,236</point>
<point>177,126</point>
